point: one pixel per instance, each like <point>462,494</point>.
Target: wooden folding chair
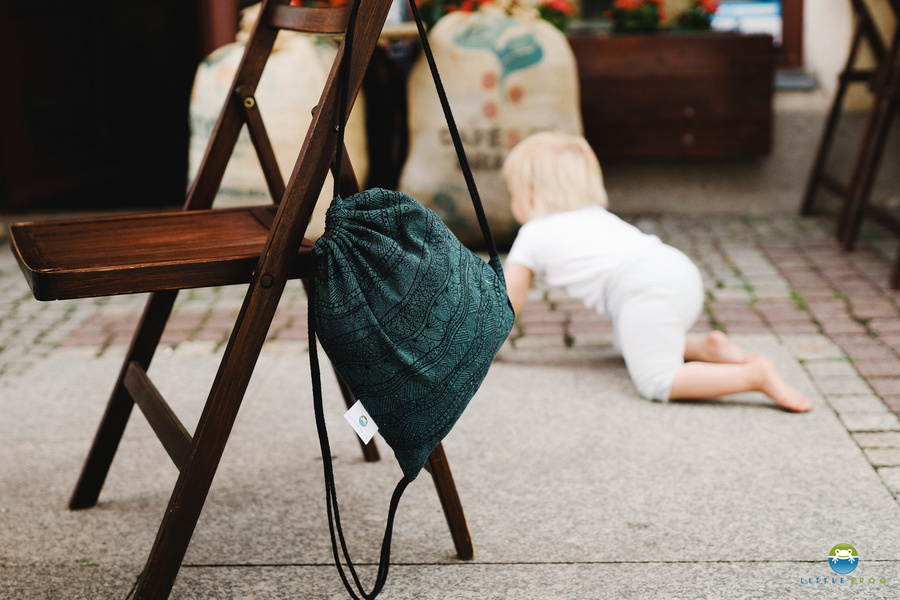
<point>884,81</point>
<point>856,204</point>
<point>199,246</point>
<point>866,32</point>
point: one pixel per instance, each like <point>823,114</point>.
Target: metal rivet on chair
<point>249,102</point>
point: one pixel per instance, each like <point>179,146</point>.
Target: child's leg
<point>697,380</point>
<point>652,304</point>
<point>714,347</point>
<point>649,333</point>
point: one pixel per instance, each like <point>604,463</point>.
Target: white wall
<point>827,32</point>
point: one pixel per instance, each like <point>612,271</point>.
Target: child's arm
<point>518,280</point>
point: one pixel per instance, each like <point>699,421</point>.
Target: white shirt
<point>577,250</point>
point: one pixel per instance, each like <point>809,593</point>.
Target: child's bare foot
<point>715,347</point>
<point>774,386</point>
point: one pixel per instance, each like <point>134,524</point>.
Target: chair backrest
<point>242,107</point>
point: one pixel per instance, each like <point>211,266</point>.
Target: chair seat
<point>147,252</point>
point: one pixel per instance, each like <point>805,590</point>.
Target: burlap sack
<point>507,76</point>
<point>288,90</point>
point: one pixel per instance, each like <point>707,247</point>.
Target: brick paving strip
<point>769,275</point>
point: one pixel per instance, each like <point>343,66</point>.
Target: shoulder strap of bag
<point>331,502</point>
<point>334,517</point>
<point>448,115</point>
<point>454,134</point>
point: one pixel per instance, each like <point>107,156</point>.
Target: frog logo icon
<point>843,558</point>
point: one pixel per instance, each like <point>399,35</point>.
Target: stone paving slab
<point>882,439</point>
<point>583,581</point>
<point>573,488</point>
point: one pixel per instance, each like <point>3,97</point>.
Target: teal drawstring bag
<point>410,318</point>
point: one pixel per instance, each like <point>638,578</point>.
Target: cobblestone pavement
<point>776,276</point>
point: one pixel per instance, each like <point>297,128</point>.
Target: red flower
<point>709,6</point>
<point>660,8</point>
<point>627,5</point>
<point>637,15</point>
<point>563,6</point>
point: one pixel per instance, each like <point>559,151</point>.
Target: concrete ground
<point>573,486</point>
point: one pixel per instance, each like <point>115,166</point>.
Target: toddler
<point>652,292</point>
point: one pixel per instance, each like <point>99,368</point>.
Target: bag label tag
<point>362,423</point>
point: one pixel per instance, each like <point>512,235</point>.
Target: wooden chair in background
<point>884,81</point>
<point>866,32</point>
<point>200,246</point>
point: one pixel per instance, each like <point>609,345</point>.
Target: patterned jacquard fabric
<point>410,318</point>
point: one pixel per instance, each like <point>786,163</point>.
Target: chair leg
<point>869,155</point>
<point>818,171</point>
<point>118,409</point>
<point>186,503</point>
<point>189,495</point>
<point>815,177</point>
<point>209,439</point>
<point>453,511</point>
<point>894,280</point>
<point>864,172</point>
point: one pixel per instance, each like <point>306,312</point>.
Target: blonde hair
<point>551,172</point>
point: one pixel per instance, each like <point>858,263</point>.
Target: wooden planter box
<point>676,94</point>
